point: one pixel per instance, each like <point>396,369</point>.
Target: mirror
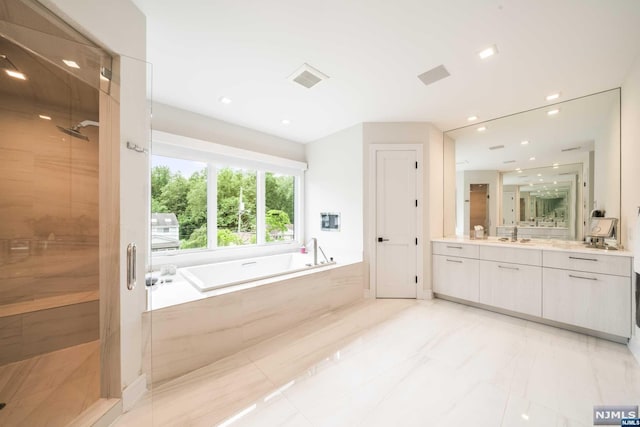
<point>543,170</point>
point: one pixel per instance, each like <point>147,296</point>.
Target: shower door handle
<point>131,266</point>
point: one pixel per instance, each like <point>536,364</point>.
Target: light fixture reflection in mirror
<point>574,154</point>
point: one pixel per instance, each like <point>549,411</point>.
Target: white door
<point>396,224</point>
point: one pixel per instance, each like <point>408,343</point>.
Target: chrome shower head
<point>75,130</point>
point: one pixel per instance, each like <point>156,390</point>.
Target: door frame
<point>372,213</point>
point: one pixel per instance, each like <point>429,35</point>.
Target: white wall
<point>334,183</point>
<point>120,27</point>
<point>630,171</point>
<point>186,123</point>
<point>433,196</point>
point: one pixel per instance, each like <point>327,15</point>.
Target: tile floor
<point>403,363</point>
<point>50,389</point>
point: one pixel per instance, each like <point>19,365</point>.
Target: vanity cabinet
<point>511,279</point>
<point>577,288</point>
<point>588,290</point>
<point>456,276</point>
<point>456,270</point>
<point>513,287</point>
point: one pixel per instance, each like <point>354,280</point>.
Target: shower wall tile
<point>189,336</point>
<point>49,205</point>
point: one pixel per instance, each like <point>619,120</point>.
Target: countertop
<point>540,244</point>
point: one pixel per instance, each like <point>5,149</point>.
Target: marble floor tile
<point>50,389</point>
<point>404,363</point>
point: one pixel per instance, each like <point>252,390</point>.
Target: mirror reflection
<point>545,171</point>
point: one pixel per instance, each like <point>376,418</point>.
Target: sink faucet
<point>315,250</point>
<point>514,233</point>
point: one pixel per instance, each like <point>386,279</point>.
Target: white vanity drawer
<point>596,301</point>
<point>456,249</point>
<point>511,253</point>
<point>513,287</point>
<point>456,277</point>
<point>589,262</point>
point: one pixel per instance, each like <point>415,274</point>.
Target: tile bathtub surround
<point>404,363</point>
<point>192,335</point>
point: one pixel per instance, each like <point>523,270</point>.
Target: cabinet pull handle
<point>582,259</point>
<point>582,277</point>
<point>454,247</point>
<point>508,268</point>
<point>454,260</point>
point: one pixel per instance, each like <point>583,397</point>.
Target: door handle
<point>381,239</point>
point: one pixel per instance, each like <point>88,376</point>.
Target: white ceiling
<point>373,51</point>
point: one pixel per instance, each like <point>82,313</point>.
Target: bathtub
<point>222,274</point>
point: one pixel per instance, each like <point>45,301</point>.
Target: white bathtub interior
<point>209,280</point>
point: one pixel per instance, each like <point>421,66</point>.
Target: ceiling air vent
<point>570,149</point>
<point>496,147</point>
<point>433,75</point>
<point>307,76</point>
<point>508,161</point>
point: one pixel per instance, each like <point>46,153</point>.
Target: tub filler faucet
<point>315,250</point>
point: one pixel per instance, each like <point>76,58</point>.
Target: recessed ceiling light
<point>541,180</point>
<point>556,167</point>
<point>487,52</point>
<point>286,121</point>
<point>70,63</point>
<point>539,174</point>
<point>524,142</point>
<point>472,118</point>
<point>43,117</point>
<point>482,128</point>
<point>519,171</point>
<point>556,164</point>
<point>553,112</point>
<point>532,158</point>
<point>553,96</point>
<point>224,100</point>
<point>531,184</point>
<point>555,182</point>
<point>16,74</point>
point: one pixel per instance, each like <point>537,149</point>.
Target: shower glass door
<point>71,333</point>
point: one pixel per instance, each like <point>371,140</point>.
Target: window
<point>280,207</point>
<point>178,204</point>
<point>204,198</point>
<point>236,207</point>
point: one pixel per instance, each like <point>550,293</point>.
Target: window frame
<point>217,156</point>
